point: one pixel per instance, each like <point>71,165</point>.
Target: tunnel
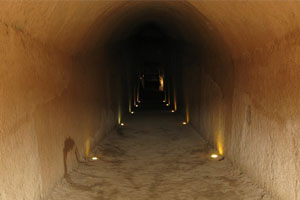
<point>149,100</point>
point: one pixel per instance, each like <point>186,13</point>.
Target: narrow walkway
<point>155,157</point>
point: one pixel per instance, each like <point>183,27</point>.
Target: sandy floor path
<point>155,157</point>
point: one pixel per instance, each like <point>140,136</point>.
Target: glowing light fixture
<point>184,123</point>
<point>94,158</point>
<point>173,111</point>
<point>136,105</point>
<point>167,104</point>
<point>164,101</point>
<point>132,112</point>
<point>214,155</point>
<point>161,83</point>
<point>122,124</point>
<point>187,113</point>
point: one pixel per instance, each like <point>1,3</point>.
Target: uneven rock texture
<point>58,92</point>
<point>155,157</point>
<point>47,98</point>
<point>247,92</point>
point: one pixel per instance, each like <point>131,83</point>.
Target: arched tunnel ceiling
<point>76,26</point>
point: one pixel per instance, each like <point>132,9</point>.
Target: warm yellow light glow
<point>132,112</point>
<point>214,155</point>
<point>220,141</point>
<point>175,99</point>
<point>122,124</point>
<point>167,104</point>
<point>184,123</point>
<point>173,111</point>
<point>175,104</point>
<point>87,147</point>
<point>119,114</point>
<point>94,158</point>
<point>164,101</point>
<point>187,114</point>
<point>119,119</point>
<point>136,105</point>
<point>161,83</point>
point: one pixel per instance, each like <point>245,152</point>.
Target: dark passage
<point>153,56</point>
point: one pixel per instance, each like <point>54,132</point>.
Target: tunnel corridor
<point>149,100</point>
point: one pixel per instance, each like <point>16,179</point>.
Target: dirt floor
<point>154,156</point>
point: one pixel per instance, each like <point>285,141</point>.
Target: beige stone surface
<point>155,157</point>
<point>46,98</point>
<point>248,110</point>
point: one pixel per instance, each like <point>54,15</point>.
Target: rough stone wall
<point>265,116</point>
<point>51,106</point>
<point>208,95</point>
<point>260,134</point>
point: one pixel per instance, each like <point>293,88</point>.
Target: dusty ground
<point>155,158</point>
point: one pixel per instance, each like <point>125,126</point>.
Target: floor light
<point>94,158</point>
<point>214,155</point>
